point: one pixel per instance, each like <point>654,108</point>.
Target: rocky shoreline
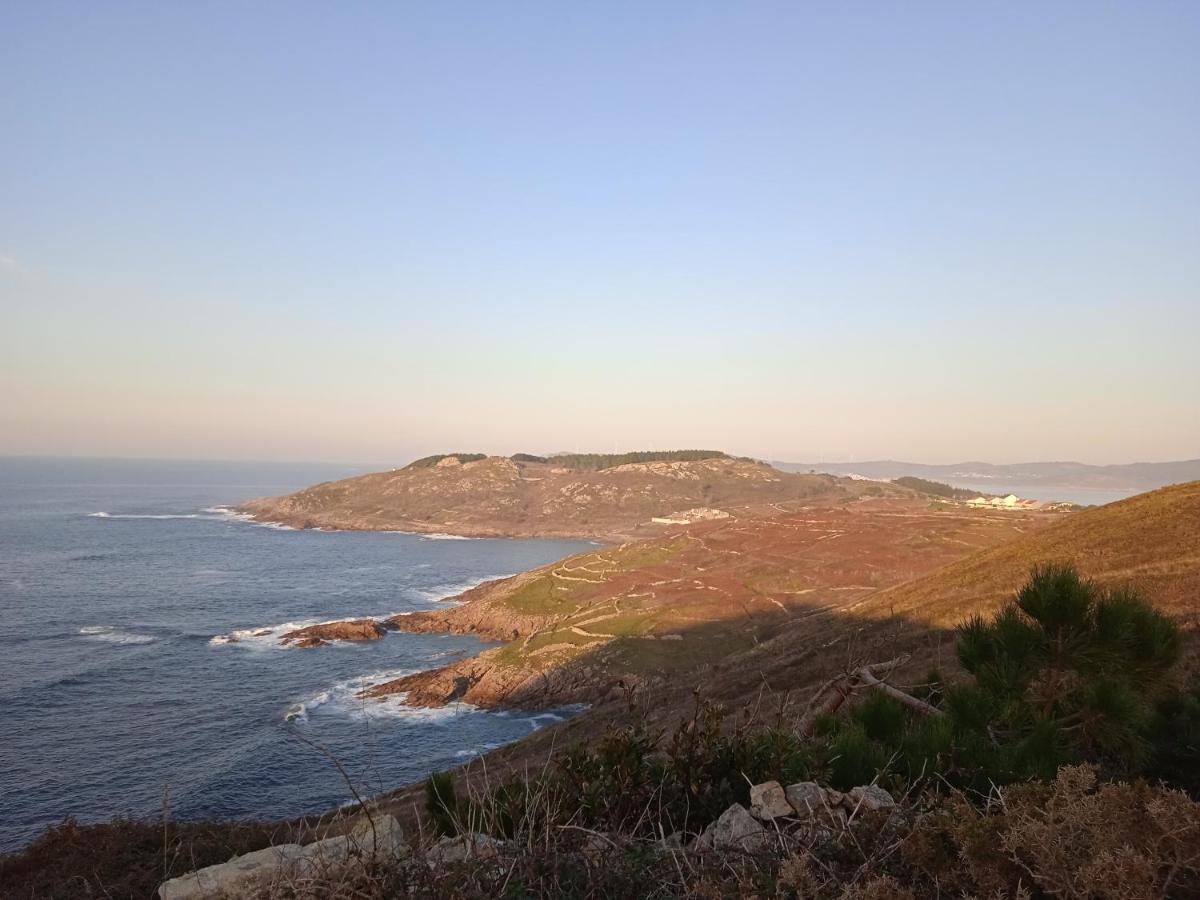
<point>324,633</point>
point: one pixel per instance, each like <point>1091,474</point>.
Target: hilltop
<point>610,497</point>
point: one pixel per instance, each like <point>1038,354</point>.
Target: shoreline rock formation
<point>325,632</point>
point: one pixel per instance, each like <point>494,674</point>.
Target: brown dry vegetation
<point>1151,541</point>
<point>669,610</point>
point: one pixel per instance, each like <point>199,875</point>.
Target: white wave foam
<point>110,635</point>
<point>342,699</point>
<point>476,751</point>
<point>440,536</point>
<point>535,722</point>
<point>224,512</point>
<point>271,636</point>
<point>108,515</point>
<point>443,592</point>
<point>266,636</point>
<point>298,712</point>
<point>562,713</point>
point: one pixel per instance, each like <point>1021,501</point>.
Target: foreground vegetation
<point>1065,763</point>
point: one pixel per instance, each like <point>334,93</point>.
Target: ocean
<point>121,584</point>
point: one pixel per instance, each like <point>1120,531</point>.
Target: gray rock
<point>768,801</point>
<point>228,877</point>
<point>387,839</point>
<point>807,798</point>
<point>463,847</point>
<point>736,829</point>
<point>870,797</point>
<point>835,798</point>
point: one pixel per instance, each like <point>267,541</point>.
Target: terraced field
<point>648,610</point>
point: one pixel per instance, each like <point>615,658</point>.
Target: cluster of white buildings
<point>687,517</point>
<point>1012,501</point>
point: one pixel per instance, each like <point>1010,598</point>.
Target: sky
<point>800,231</point>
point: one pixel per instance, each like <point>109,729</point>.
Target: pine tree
<point>1067,671</point>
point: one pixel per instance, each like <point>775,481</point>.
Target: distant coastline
<point>1046,481</point>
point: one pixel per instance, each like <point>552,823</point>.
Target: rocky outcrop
<point>381,838</point>
<point>811,804</point>
<point>479,611</point>
<point>484,681</point>
<point>349,630</point>
<point>799,812</point>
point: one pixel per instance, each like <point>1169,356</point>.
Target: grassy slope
<point>1151,541</point>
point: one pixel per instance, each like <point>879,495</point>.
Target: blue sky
<point>363,232</point>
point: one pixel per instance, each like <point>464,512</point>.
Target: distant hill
<point>934,488</point>
<point>1127,477</point>
<point>608,496</point>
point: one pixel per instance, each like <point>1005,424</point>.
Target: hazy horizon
<point>935,233</point>
<point>404,459</point>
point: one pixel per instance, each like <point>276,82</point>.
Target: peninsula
<point>607,497</point>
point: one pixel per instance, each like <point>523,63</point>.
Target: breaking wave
<point>453,589</point>
<point>108,515</point>
<point>225,512</point>
<point>271,636</point>
<point>342,699</point>
<point>111,635</point>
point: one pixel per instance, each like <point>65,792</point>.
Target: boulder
<point>227,878</point>
<point>383,837</point>
<point>736,829</point>
<point>768,801</point>
<point>349,630</point>
<point>870,797</point>
<point>386,839</point>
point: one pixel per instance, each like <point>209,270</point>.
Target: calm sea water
<point>117,678</point>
